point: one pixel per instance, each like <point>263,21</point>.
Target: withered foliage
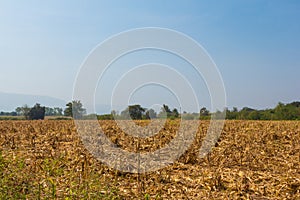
<point>251,160</point>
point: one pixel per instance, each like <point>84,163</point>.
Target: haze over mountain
<point>9,101</point>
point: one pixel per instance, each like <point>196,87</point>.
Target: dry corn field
<point>252,160</point>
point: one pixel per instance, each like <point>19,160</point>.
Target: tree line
<point>75,109</point>
<point>289,111</point>
<point>137,112</point>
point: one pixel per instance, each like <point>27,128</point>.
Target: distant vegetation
<point>137,112</point>
<point>31,113</point>
<point>290,111</point>
<point>25,112</point>
<point>75,109</point>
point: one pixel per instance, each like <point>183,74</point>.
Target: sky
<point>255,45</point>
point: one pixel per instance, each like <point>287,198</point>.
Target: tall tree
<point>75,109</point>
<point>136,111</point>
<point>24,110</point>
<point>204,112</point>
<point>49,111</point>
<point>150,114</point>
<point>165,111</point>
<point>175,113</point>
<point>133,111</point>
<point>37,112</point>
<point>58,111</point>
<point>68,109</point>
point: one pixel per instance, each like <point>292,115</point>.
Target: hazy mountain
<point>9,101</point>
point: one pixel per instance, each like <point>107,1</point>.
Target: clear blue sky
<point>255,44</point>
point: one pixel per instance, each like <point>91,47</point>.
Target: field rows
<point>252,160</point>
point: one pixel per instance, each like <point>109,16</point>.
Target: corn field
<point>251,160</point>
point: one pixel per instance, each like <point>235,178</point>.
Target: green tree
<point>18,110</point>
<point>287,112</point>
<point>49,111</point>
<point>244,113</point>
<point>125,114</point>
<point>75,109</point>
<point>136,111</point>
<point>68,110</point>
<point>232,114</point>
<point>150,114</point>
<point>37,112</point>
<point>24,110</point>
<point>164,111</point>
<point>204,112</point>
<point>58,111</point>
<point>175,113</point>
<point>280,112</point>
<point>114,113</point>
<point>235,109</point>
<point>254,115</point>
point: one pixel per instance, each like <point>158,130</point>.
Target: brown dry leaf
<point>253,160</point>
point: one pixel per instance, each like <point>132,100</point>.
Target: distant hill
<point>9,101</point>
